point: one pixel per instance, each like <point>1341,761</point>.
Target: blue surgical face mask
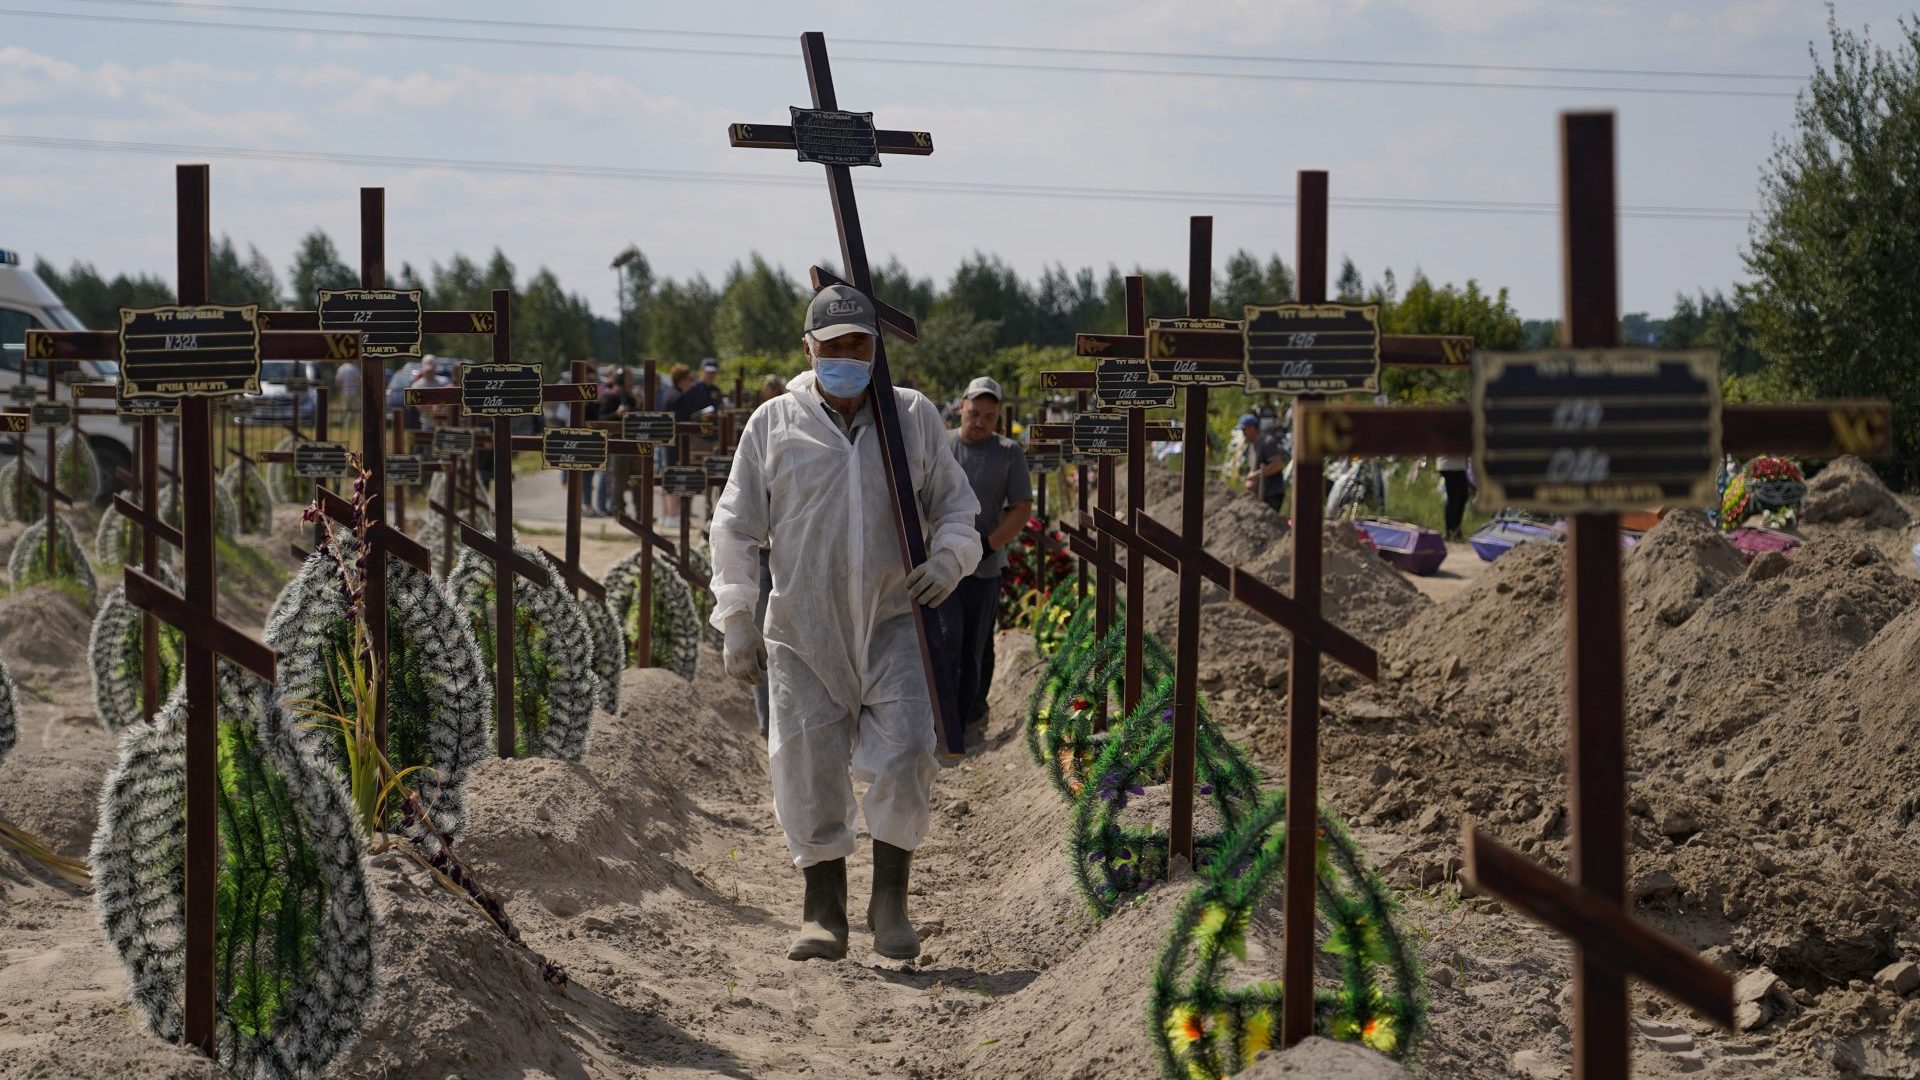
<point>841,377</point>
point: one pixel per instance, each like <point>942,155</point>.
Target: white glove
<point>933,581</point>
<point>746,651</point>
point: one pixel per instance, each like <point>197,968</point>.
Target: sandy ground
<point>654,873</point>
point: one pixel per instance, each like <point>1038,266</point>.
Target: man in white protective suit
<point>849,696</point>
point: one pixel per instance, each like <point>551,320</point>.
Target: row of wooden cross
<point>1610,945</point>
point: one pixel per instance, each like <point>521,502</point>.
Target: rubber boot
<point>823,914</point>
<point>893,934</point>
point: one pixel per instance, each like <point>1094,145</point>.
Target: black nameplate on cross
<point>683,480</point>
<point>452,442</point>
<point>1312,348</point>
<point>176,351</point>
<point>407,469</point>
<point>499,390</point>
<point>648,428</point>
<point>50,414</point>
<point>573,448</point>
<point>389,320</point>
<point>1597,429</point>
<point>1127,384</point>
<point>853,257</point>
<point>321,461</point>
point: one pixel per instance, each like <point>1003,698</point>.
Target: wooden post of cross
<point>501,391</point>
<point>194,352</point>
<point>838,140</point>
<point>1610,945</point>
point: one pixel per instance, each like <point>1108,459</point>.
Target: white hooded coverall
<point>847,689</point>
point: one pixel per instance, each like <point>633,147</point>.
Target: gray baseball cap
<point>837,310</point>
<point>983,385</point>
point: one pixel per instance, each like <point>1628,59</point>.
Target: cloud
<point>28,77</point>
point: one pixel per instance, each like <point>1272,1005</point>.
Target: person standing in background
<point>1459,487</point>
<point>616,479</point>
<point>1265,463</point>
<point>679,379</point>
<point>996,467</point>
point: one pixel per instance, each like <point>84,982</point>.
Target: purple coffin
<point>1751,540</point>
<point>1497,537</point>
<point>1410,547</point>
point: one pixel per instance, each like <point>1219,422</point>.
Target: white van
<point>27,304</point>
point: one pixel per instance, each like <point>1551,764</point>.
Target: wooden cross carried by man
<point>839,140</point>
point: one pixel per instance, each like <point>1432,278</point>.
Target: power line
<point>1051,50</point>
<point>913,187</point>
<point>991,65</point>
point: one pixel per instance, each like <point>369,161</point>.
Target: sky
<point>100,100</point>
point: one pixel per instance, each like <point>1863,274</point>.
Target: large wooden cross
<point>838,140</point>
<point>199,368</point>
<point>1610,946</point>
<point>508,564</point>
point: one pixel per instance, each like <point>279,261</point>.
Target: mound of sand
<point>43,635</point>
<point>1766,636</point>
<point>1677,566</point>
<point>1325,1059</point>
<point>1848,491</point>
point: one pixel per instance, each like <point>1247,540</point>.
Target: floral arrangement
<point>18,504</point>
<point>1020,582</point>
<point>226,515</point>
<point>294,966</point>
<point>286,485</point>
<point>1770,486</point>
<point>437,698</point>
<point>252,502</point>
<point>676,621</point>
<point>1112,857</point>
<point>554,685</point>
<point>12,837</point>
<point>609,650</point>
<point>76,470</point>
<point>115,540</point>
<point>1204,1030</point>
<point>1060,617</point>
<point>28,564</point>
<point>1066,720</point>
<point>116,655</point>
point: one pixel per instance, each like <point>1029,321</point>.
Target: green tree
<point>1835,250</point>
<point>760,311</point>
<point>234,282</point>
<point>1349,288</point>
<point>1248,282</point>
<point>1713,321</point>
<point>457,286</point>
<point>317,265</point>
<point>1449,309</point>
<point>550,326</point>
<point>896,285</point>
<point>95,300</point>
<point>991,291</point>
<point>681,318</point>
<point>953,348</point>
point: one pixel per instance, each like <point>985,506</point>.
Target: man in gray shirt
<point>997,469</point>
